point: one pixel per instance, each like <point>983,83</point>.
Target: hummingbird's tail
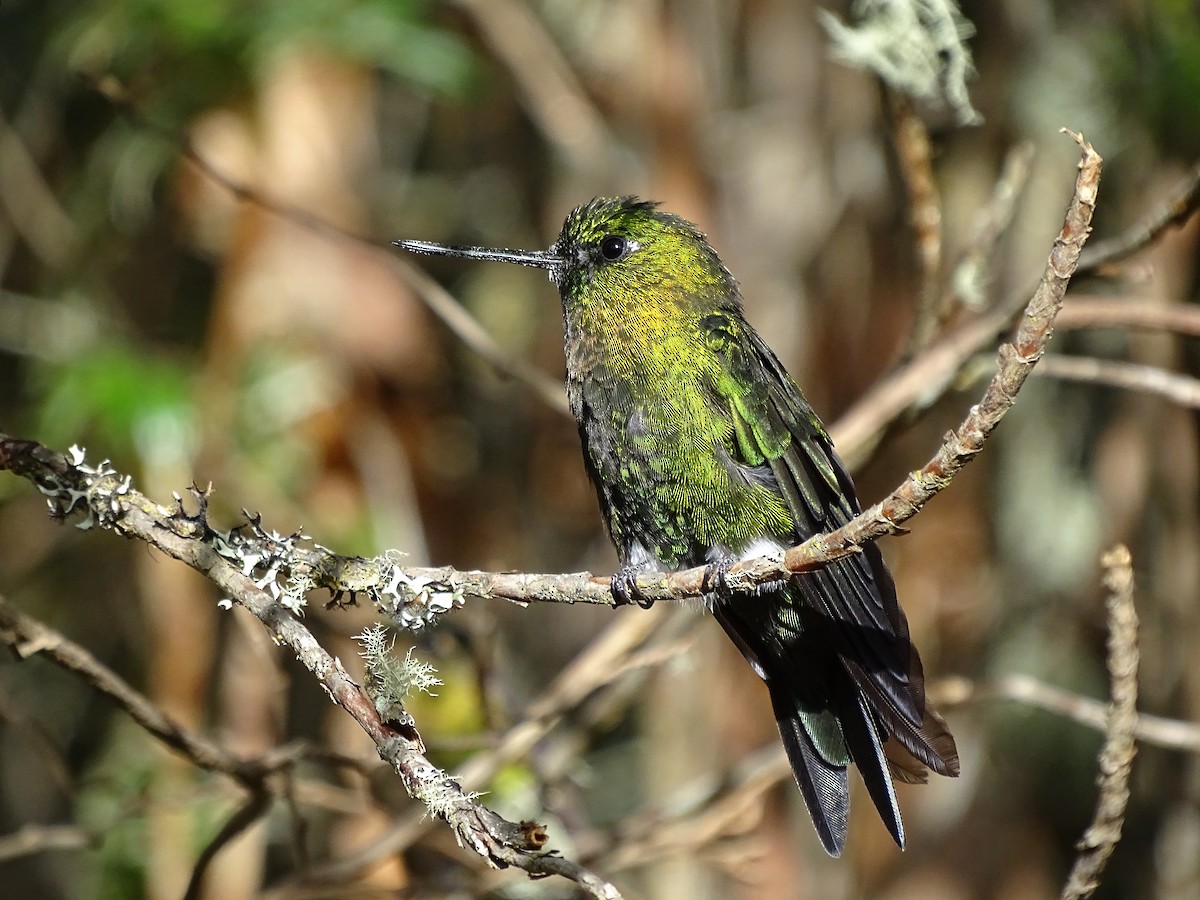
<point>820,745</point>
<point>843,692</point>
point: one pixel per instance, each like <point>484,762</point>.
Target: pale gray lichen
<point>266,557</point>
<point>918,47</point>
<point>390,679</point>
<point>399,677</point>
<point>412,602</point>
<point>98,496</point>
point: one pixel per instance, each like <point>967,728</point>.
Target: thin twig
<point>1178,208</point>
<point>971,276</point>
<point>32,207</point>
<point>1083,311</point>
<point>33,839</point>
<point>1176,387</point>
<point>914,387</point>
<point>697,815</point>
<point>1116,756</point>
<point>1171,734</point>
<point>252,809</point>
<point>551,93</point>
<point>28,637</point>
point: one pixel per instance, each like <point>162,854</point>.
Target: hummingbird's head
<point>621,245</point>
<point>618,247</point>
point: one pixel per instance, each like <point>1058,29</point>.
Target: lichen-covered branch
<point>253,568</point>
<point>289,567</point>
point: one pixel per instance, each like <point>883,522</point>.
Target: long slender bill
<point>540,259</point>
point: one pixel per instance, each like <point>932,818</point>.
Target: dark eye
<point>613,247</point>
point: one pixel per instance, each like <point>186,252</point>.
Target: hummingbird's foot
<point>714,584</point>
<point>625,590</point>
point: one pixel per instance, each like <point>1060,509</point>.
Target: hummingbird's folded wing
<point>774,425</point>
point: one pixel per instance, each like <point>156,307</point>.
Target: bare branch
<point>31,205</point>
<point>973,272</point>
<point>1172,734</point>
<point>28,637</point>
<point>698,815</point>
<point>34,839</point>
<point>1083,311</point>
<point>1116,756</point>
<point>1179,207</point>
<point>253,809</point>
<point>555,99</point>
<point>1178,388</point>
<point>914,153</point>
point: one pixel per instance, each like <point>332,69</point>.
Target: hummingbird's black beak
<point>539,259</point>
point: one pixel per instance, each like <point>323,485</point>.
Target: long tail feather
<point>823,784</point>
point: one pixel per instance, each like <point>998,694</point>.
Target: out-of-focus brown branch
<point>111,503</point>
<point>32,207</point>
<point>43,839</point>
<point>253,809</point>
<point>914,387</point>
<point>552,94</point>
<point>914,154</point>
<point>972,273</point>
<point>1171,734</point>
<point>1178,208</point>
<point>29,637</point>
<point>438,300</point>
<point>1083,311</point>
<point>1176,387</point>
<point>698,816</point>
<point>1116,756</point>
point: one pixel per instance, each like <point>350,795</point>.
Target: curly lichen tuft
<point>391,679</point>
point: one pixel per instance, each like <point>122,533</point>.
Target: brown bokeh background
<point>152,316</point>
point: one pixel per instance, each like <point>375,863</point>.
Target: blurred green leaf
<point>121,395</point>
<point>1154,68</point>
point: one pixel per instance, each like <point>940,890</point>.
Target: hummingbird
<point>703,452</point>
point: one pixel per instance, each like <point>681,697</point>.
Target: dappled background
<point>166,302</point>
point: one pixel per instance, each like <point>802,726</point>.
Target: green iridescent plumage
<point>703,451</point>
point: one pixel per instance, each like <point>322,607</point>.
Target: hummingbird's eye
<point>614,247</point>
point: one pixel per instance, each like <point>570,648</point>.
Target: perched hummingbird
<point>703,452</point>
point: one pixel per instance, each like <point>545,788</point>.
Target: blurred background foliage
<point>149,314</point>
